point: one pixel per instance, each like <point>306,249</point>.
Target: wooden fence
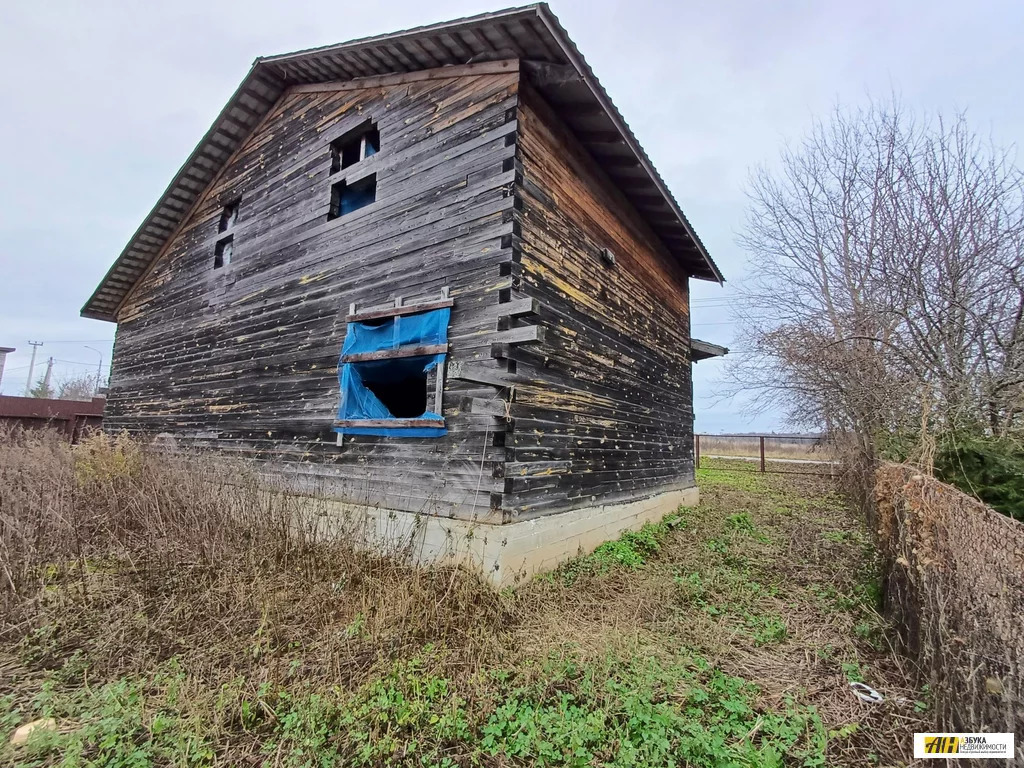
<point>794,454</point>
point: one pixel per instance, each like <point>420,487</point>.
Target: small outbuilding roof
<point>705,350</point>
<point>531,34</point>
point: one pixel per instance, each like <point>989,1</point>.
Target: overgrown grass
<point>163,613</point>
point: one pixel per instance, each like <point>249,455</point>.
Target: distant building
<point>430,272</point>
<point>3,359</point>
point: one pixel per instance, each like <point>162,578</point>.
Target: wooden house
<point>430,272</point>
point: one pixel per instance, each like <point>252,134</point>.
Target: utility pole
<point>46,378</point>
<point>3,359</point>
<point>32,365</point>
<point>99,370</point>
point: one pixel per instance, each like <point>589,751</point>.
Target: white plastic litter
<point>866,693</point>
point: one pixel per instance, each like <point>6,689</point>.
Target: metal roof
<point>531,33</point>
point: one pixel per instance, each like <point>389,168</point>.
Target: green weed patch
<point>681,712</point>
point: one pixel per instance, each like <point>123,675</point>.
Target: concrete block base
<point>504,554</point>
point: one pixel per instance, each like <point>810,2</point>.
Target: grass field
<point>726,635</point>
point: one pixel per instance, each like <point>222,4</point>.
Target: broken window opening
<point>391,372</point>
<point>223,252</point>
<point>346,198</point>
<point>401,385</point>
<point>354,146</point>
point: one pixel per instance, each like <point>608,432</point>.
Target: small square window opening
<point>354,146</point>
<point>222,253</point>
<point>346,198</point>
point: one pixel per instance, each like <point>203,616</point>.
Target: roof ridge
<point>501,13</point>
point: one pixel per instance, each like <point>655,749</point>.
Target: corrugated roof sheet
<point>531,34</point>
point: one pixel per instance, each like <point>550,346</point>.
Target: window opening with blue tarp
<point>391,372</point>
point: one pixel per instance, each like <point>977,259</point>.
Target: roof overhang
<point>705,350</point>
<point>531,34</point>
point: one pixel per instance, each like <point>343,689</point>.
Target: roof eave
<point>411,32</point>
<point>88,310</point>
<point>705,350</point>
<point>573,55</point>
<point>264,83</point>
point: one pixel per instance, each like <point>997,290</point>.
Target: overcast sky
<point>103,101</point>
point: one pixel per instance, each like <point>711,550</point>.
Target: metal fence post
<point>762,453</point>
<point>696,451</point>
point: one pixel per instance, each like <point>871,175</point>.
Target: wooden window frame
<point>338,188</point>
<point>226,234</point>
<point>338,145</point>
<point>401,309</point>
<point>224,245</point>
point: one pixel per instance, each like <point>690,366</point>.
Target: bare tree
<point>889,293</point>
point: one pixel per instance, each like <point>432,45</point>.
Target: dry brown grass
<point>133,557</point>
<point>122,559</point>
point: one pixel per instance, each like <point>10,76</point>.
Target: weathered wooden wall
<point>244,358</point>
<point>603,408</point>
<point>480,189</point>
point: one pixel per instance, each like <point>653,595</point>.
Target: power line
<point>83,341</point>
<point>76,362</point>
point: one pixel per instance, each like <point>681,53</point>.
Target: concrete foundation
<point>505,554</point>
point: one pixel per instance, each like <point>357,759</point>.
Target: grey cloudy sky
<point>102,101</point>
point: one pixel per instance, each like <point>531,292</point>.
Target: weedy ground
<point>162,615</point>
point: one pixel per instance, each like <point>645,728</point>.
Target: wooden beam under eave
<point>438,73</point>
<point>617,161</point>
<point>599,137</point>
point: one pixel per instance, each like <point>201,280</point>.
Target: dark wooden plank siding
<point>605,401</point>
<point>244,358</point>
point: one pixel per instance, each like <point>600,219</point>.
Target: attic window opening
<point>346,198</point>
<point>223,252</point>
<point>354,146</point>
<point>229,216</point>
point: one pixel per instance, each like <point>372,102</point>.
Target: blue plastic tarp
<point>357,399</point>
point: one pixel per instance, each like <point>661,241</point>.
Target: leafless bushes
<point>66,509</point>
<point>174,554</point>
